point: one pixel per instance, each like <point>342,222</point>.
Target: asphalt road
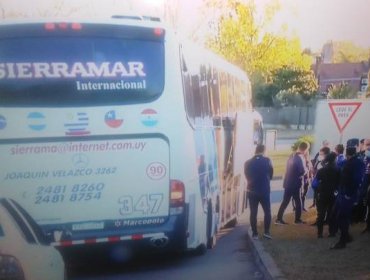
<point>232,258</point>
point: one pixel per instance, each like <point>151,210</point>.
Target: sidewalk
<point>267,263</point>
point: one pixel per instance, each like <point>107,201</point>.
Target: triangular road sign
<point>343,112</point>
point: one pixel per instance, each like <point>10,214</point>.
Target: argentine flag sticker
<point>149,117</point>
<point>36,121</point>
<point>2,122</point>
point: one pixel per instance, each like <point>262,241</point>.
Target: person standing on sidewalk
<point>350,181</point>
<point>259,171</point>
<point>327,179</point>
<point>293,180</point>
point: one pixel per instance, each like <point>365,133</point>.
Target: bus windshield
<point>79,71</point>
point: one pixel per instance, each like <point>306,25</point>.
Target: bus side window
<point>231,94</point>
<point>187,88</point>
<point>224,94</point>
<point>214,96</point>
<point>195,92</point>
<point>204,92</point>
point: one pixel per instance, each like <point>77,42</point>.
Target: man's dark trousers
<point>325,205</point>
<point>254,200</point>
<point>344,217</point>
<point>288,194</point>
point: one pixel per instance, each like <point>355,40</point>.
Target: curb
<point>266,262</point>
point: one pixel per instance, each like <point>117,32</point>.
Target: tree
<point>341,91</point>
<point>242,39</point>
<point>346,51</point>
<point>290,86</point>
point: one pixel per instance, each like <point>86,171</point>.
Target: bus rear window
<point>65,71</point>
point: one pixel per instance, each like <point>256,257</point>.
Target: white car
<point>25,254</point>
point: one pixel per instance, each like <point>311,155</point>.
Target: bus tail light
<point>51,26</point>
<point>158,31</point>
<point>177,193</point>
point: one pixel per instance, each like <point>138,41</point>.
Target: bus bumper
<point>171,236</point>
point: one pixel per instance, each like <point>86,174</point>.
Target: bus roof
<point>111,21</point>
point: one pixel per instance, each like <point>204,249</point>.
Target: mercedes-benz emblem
<point>80,160</point>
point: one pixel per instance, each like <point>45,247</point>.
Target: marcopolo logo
<point>2,122</point>
<point>112,120</point>
<point>149,117</point>
<point>36,121</point>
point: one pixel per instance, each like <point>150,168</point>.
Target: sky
<point>317,21</point>
<point>314,21</point>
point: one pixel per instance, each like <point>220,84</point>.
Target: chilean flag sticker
<point>149,117</point>
<point>111,119</point>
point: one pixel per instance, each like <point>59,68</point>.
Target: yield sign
<point>343,112</point>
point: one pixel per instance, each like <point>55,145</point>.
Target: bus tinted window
<point>80,71</point>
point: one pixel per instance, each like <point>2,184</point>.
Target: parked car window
<point>42,238</point>
<point>19,221</point>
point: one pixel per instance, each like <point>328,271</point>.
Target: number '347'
<point>145,204</point>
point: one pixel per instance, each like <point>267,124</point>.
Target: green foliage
<point>346,51</point>
<point>292,86</point>
<point>296,81</point>
<point>241,38</point>
<point>305,138</point>
<point>341,91</point>
<point>263,93</point>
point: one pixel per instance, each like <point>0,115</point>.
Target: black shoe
<point>319,235</point>
<point>280,222</point>
<point>338,245</point>
<point>331,235</point>
<point>299,222</point>
<point>267,235</point>
<point>255,236</point>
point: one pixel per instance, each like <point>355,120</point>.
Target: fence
<point>302,118</point>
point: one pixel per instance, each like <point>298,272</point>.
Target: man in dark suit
<point>295,171</point>
<point>258,170</point>
<point>349,184</point>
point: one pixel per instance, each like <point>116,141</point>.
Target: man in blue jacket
<point>350,181</point>
<point>295,170</point>
<point>258,170</point>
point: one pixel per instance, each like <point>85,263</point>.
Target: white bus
<point>113,133</point>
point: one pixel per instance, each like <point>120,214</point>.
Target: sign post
<point>343,113</point>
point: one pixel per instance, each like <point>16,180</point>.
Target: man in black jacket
<point>258,171</point>
<point>328,180</point>
<point>296,168</point>
<point>350,181</point>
